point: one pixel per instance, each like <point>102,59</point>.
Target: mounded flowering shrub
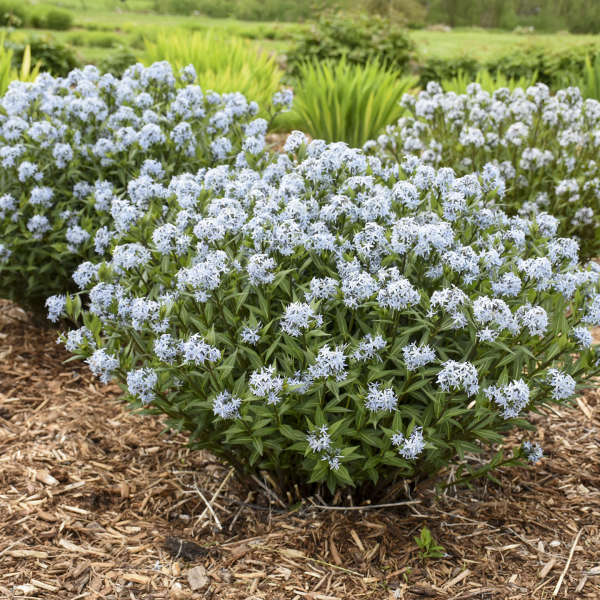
<point>546,147</point>
<point>82,152</point>
<point>335,322</point>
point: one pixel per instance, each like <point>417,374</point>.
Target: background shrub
<point>359,40</point>
<point>489,82</point>
<point>554,68</point>
<point>59,20</point>
<point>337,323</point>
<point>185,7</point>
<point>440,69</point>
<point>52,56</point>
<point>412,13</point>
<point>117,62</point>
<point>95,39</point>
<point>49,18</point>
<point>13,14</point>
<point>581,16</point>
<point>250,10</point>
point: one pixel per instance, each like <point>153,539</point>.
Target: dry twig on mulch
<point>97,503</point>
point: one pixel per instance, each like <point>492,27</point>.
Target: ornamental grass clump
<point>343,102</point>
<point>545,145</point>
<point>79,158</point>
<point>223,63</point>
<point>339,323</point>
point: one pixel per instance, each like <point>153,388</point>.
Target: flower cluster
<point>83,155</point>
<point>544,145</point>
<point>331,318</point>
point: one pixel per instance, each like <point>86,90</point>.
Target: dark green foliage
<point>578,16</point>
<point>96,40</point>
<point>182,7</point>
<point>58,20</point>
<point>360,40</point>
<point>272,10</point>
<point>248,10</point>
<point>440,69</point>
<point>36,19</point>
<point>12,14</point>
<point>20,14</point>
<point>556,69</point>
<point>53,57</point>
<point>552,67</point>
<point>410,12</point>
<point>117,62</point>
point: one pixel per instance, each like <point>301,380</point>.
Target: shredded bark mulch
<point>100,503</point>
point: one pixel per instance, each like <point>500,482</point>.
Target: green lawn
<point>484,44</point>
<point>101,26</point>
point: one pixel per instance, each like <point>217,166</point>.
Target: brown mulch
<point>98,503</point>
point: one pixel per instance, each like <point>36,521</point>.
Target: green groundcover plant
<point>545,145</point>
<point>335,322</point>
<point>77,153</point>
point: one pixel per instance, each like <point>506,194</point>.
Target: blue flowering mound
<point>545,145</point>
<point>333,319</point>
<point>79,155</point>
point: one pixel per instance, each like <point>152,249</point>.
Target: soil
<point>97,502</point>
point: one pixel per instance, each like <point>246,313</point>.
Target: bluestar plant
<point>546,146</point>
<point>82,155</point>
<point>335,321</point>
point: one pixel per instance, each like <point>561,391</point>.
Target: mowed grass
<point>483,44</point>
<point>102,26</point>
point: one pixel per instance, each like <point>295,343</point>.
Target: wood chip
<point>46,516</point>
<point>593,572</point>
<point>197,578</point>
<point>71,547</point>
<point>136,578</point>
<point>566,569</point>
<point>27,554</point>
<point>44,586</point>
<point>334,551</point>
<point>357,540</point>
<point>253,575</point>
<point>292,553</point>
<point>45,478</point>
<point>124,489</point>
<point>547,568</point>
<point>456,579</point>
<point>585,409</point>
<point>75,509</point>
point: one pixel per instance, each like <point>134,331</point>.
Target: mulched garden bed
<point>95,502</point>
